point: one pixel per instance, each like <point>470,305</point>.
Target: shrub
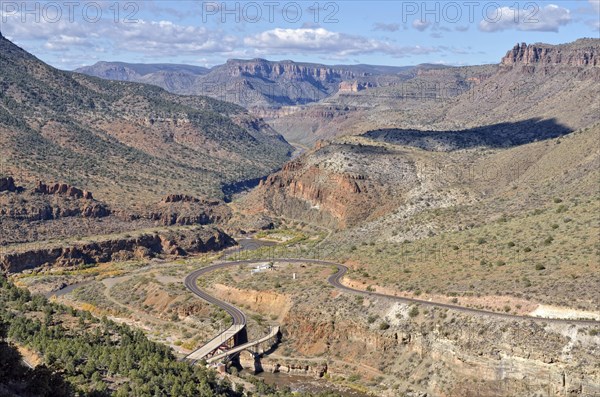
<point>539,266</point>
<point>413,312</point>
<point>354,378</point>
<point>383,326</point>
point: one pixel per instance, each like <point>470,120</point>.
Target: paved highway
<point>239,319</point>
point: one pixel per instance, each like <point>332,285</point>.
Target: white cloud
<point>64,42</point>
<point>323,41</point>
<point>159,38</point>
<point>168,38</point>
<point>542,19</point>
<point>421,25</point>
<point>595,4</point>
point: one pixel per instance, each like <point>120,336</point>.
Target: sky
<point>69,34</point>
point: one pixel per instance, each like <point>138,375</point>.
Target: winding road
<point>239,319</point>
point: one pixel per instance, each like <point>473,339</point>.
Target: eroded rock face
<point>355,86</point>
<point>35,205</point>
<point>333,192</point>
<point>576,54</point>
<point>63,189</point>
<point>180,209</point>
<point>178,198</point>
<point>288,69</point>
<point>197,240</point>
<point>490,357</point>
<point>328,187</point>
<point>7,184</point>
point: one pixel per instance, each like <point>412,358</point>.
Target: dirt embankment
<point>264,302</point>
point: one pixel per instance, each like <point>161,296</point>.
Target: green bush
<point>413,312</point>
<point>383,326</point>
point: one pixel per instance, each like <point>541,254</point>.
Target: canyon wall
<point>181,242</point>
<point>453,355</point>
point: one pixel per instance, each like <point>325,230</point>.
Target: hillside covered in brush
<point>125,141</point>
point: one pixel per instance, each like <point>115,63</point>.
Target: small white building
<point>262,267</point>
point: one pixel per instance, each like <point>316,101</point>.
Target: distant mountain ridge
<point>172,77</point>
<point>250,83</point>
<point>531,81</point>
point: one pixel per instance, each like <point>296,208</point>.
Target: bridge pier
<point>241,337</point>
<point>258,368</point>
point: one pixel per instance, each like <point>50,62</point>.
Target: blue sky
<point>71,33</point>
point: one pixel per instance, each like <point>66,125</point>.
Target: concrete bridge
<point>230,343</point>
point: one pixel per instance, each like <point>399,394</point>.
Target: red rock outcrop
<point>340,198</point>
<point>63,189</point>
<point>35,205</point>
<point>177,198</point>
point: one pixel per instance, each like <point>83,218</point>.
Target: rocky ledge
<point>179,243</point>
<point>581,53</point>
<point>63,189</point>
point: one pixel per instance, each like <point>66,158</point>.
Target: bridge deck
<point>214,344</point>
<point>245,346</point>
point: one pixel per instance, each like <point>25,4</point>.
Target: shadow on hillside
<point>502,135</point>
<point>231,189</point>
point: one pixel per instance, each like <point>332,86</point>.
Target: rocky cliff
<point>344,184</point>
<point>308,192</point>
<point>63,189</point>
<point>447,354</point>
<point>288,70</point>
<point>33,204</point>
<point>180,209</point>
<point>253,83</point>
<point>581,53</point>
<point>182,242</point>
